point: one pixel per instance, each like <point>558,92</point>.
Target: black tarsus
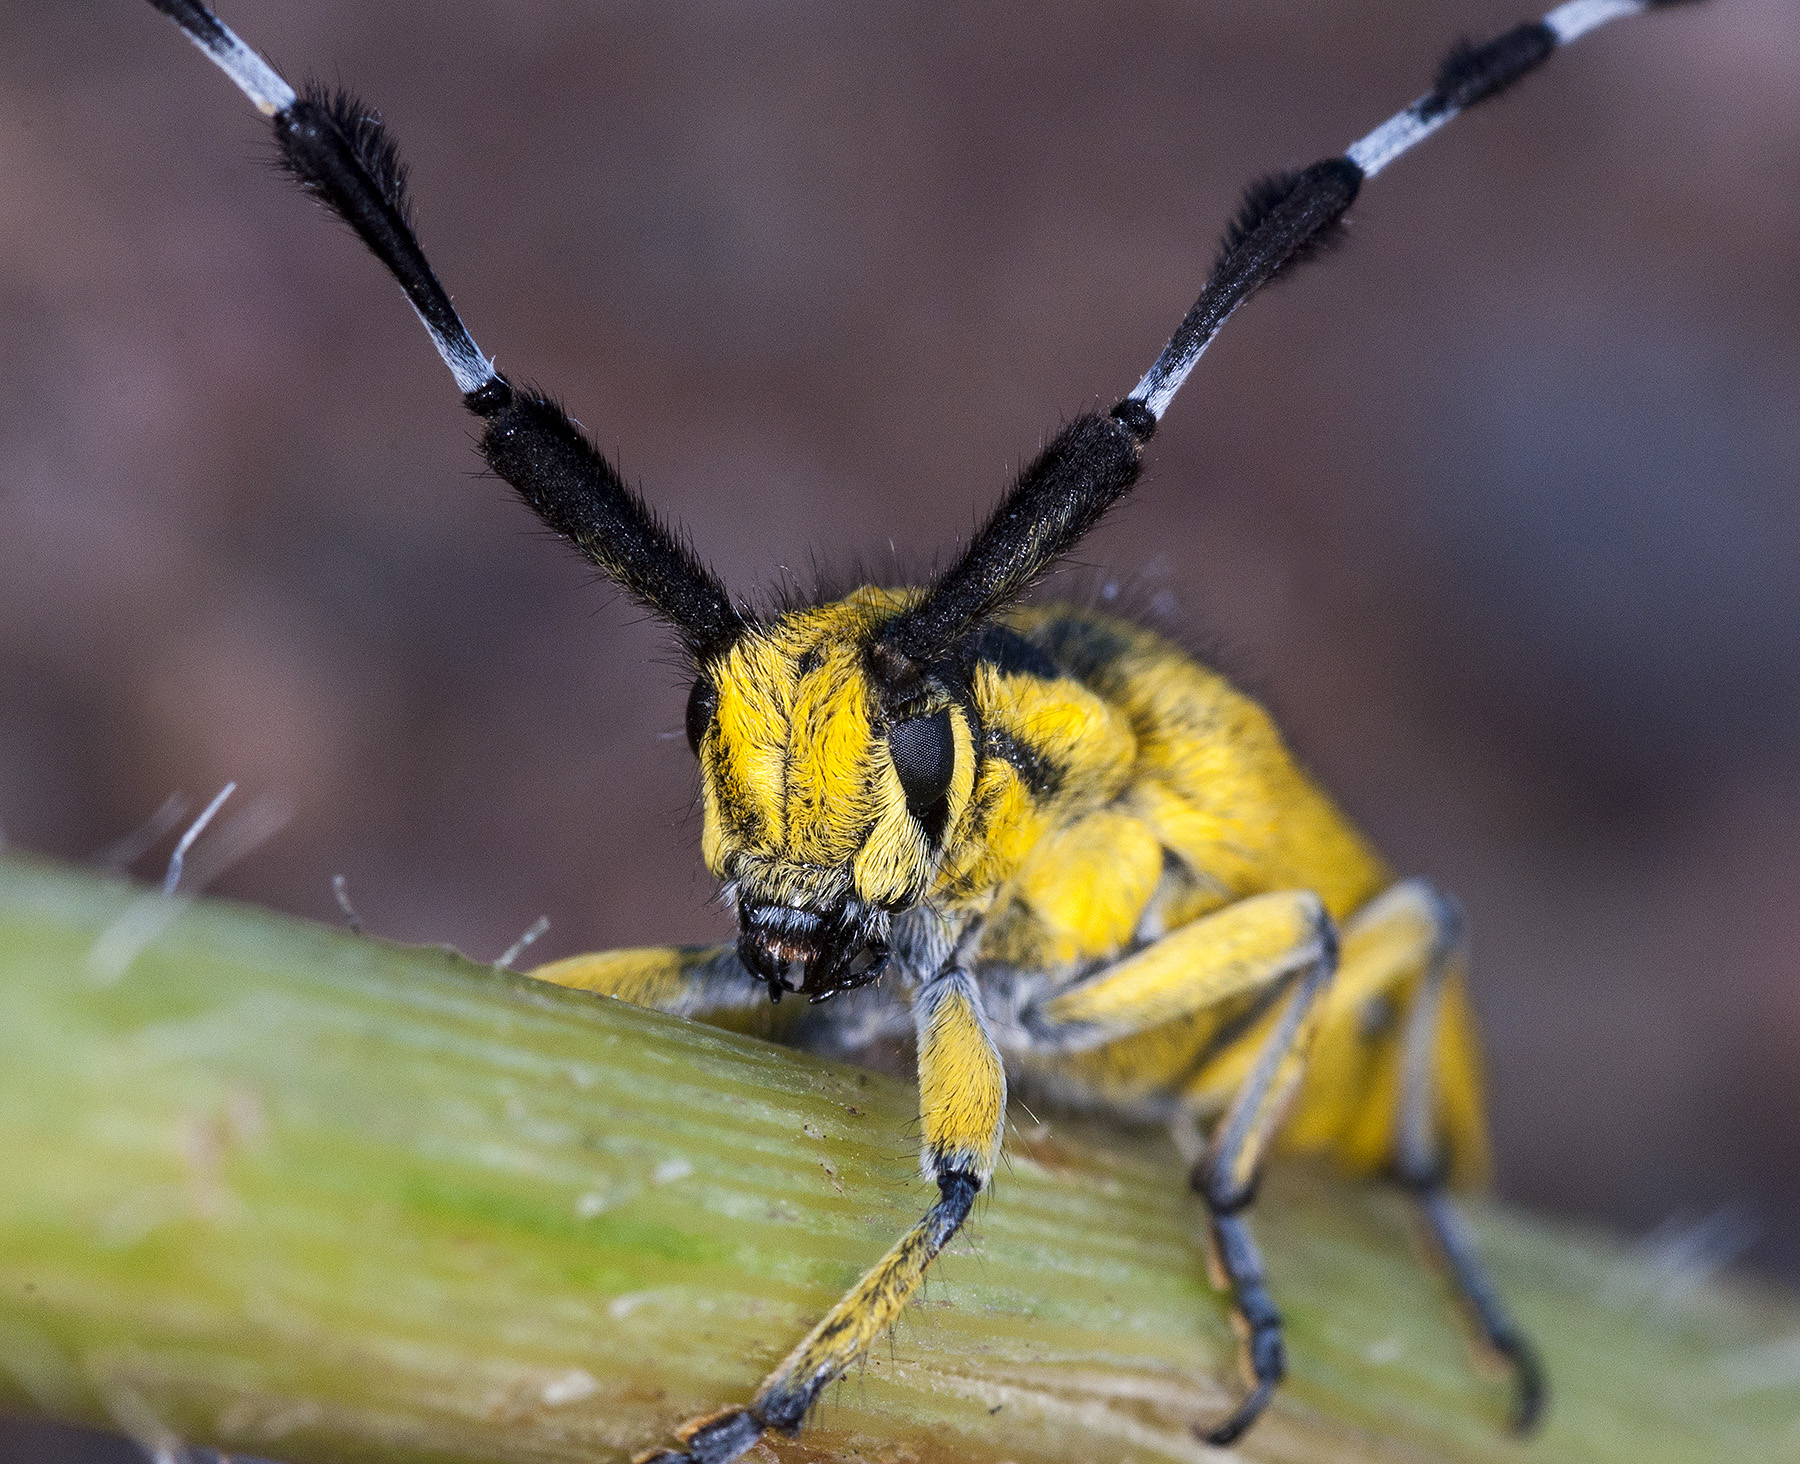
<point>1480,1298</point>
<point>726,1435</point>
<point>1422,1168</point>
<point>1473,72</point>
<point>1241,1262</point>
<point>718,1441</point>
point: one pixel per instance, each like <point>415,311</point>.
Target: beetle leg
<point>1227,1174</point>
<point>1394,1089</point>
<point>703,983</point>
<point>1249,947</point>
<point>962,1104</point>
<point>1420,1165</point>
<point>1256,947</point>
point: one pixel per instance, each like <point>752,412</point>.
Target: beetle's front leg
<point>962,1104</point>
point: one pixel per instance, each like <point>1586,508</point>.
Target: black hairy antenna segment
<point>1086,468</point>
<point>1472,73</point>
<point>530,442</point>
<point>369,142</point>
<point>1283,219</point>
<point>196,20</point>
<point>1262,197</point>
<point>341,154</point>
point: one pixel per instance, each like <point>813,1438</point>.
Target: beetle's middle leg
<point>1227,1175</point>
<point>1254,948</point>
<point>962,1105</point>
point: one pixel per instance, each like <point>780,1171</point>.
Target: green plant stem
<point>285,1190</point>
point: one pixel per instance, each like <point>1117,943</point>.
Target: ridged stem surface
<point>301,1194</point>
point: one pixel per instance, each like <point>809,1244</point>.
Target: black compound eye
<point>703,703</point>
<point>924,753</point>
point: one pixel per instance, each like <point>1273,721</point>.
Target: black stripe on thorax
<point>1041,777</point>
<point>1009,653</point>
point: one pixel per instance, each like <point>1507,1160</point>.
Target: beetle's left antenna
<point>341,154</point>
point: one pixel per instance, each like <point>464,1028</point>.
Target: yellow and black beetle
<point>1043,843</point>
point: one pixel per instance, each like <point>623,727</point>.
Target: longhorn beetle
<point>1044,843</point>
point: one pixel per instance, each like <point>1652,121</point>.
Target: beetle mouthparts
<point>814,955</point>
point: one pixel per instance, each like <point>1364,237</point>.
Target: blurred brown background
<point>1499,508</point>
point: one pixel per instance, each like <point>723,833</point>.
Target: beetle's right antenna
<point>1284,220</point>
<point>339,152</point>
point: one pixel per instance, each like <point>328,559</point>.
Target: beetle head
<point>831,779</point>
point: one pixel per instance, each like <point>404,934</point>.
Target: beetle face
<point>826,807</point>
